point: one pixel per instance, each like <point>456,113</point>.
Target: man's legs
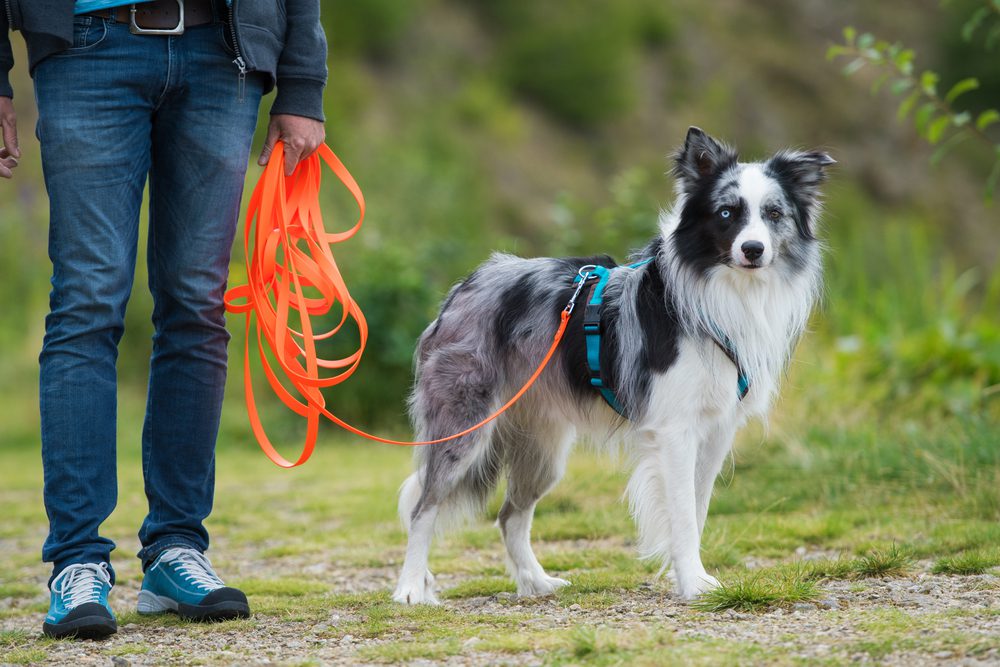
<point>200,149</point>
<point>95,104</point>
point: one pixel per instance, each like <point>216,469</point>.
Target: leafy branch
<point>980,20</point>
<point>935,117</point>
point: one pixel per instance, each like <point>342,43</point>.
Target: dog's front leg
<point>679,465</point>
<point>711,456</point>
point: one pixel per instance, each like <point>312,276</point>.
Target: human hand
<point>301,136</point>
<point>9,152</point>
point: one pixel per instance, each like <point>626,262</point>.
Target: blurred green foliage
<point>371,28</point>
<point>542,128</point>
<point>936,117</point>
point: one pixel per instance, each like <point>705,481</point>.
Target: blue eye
<point>725,213</point>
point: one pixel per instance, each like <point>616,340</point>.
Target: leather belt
<point>161,17</point>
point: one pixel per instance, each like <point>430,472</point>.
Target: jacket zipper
<point>241,64</point>
<point>10,14</point>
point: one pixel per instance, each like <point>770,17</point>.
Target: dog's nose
<point>752,250</point>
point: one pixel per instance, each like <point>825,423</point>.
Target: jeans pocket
<point>88,32</point>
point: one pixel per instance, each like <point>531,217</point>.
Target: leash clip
<point>583,275</point>
<point>136,29</point>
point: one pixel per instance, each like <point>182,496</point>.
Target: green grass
<point>968,562</point>
<point>760,590</point>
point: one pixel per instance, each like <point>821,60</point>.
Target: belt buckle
<point>136,29</point>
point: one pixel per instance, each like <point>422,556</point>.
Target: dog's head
<point>747,217</point>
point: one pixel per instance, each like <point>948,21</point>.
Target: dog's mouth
<point>749,266</point>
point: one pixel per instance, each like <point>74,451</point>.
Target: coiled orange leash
<point>292,276</point>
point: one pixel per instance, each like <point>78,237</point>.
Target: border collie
<point>694,339</point>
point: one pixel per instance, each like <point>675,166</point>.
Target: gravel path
<point>966,606</point>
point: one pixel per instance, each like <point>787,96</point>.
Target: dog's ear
<point>701,156</point>
<point>800,175</point>
<point>801,170</point>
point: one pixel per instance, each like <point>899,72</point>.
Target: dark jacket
<point>280,38</point>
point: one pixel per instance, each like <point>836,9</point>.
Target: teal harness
<point>592,334</point>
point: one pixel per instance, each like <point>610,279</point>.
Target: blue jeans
<point>113,109</point>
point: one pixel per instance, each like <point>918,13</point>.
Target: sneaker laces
<point>81,583</point>
<point>193,566</point>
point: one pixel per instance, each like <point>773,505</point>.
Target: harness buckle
<point>137,29</point>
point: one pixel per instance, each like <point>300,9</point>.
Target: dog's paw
<point>420,591</point>
<point>537,585</point>
<point>695,586</point>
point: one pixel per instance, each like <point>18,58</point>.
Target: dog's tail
<point>409,495</point>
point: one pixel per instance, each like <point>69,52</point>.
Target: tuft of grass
<point>283,587</point>
<point>968,562</point>
<point>583,640</point>
<point>482,587</point>
<point>11,638</point>
<point>29,656</point>
<point>894,561</point>
<point>760,590</point>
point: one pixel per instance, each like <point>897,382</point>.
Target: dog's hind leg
<point>535,463</point>
<point>454,477</point>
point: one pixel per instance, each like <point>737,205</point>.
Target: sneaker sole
<point>152,604</point>
<point>89,627</point>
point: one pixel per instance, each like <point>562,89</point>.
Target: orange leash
<point>292,277</point>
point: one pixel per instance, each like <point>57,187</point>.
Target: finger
<point>293,153</point>
<point>9,162</point>
<point>10,137</point>
<point>5,172</point>
<point>272,138</point>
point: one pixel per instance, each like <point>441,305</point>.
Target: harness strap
<point>742,381</point>
<point>592,336</point>
<point>592,328</point>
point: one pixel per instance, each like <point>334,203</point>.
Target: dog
<point>694,338</point>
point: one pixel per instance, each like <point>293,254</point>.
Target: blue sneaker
<point>79,603</point>
<point>182,581</point>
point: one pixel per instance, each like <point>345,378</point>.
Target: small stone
<point>803,606</point>
<point>347,639</point>
<point>829,603</point>
<point>801,551</point>
<point>471,642</point>
<point>575,607</point>
<point>940,655</point>
<point>119,661</point>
